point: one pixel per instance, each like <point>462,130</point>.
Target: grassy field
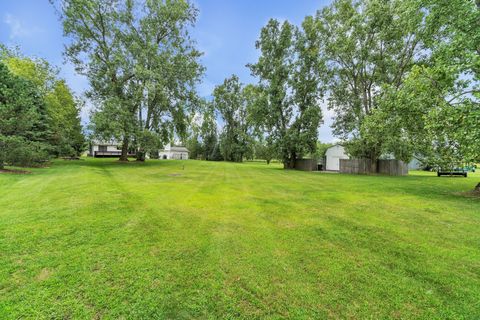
<point>165,239</point>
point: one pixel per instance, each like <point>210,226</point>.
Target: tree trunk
<point>124,156</point>
<point>477,188</point>
<point>290,162</point>
<point>373,166</point>
<point>141,155</point>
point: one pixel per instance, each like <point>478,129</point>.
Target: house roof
<point>179,149</point>
<point>104,143</point>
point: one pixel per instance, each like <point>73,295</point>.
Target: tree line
<point>401,77</point>
<point>39,115</point>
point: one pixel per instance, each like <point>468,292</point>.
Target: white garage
<point>333,156</point>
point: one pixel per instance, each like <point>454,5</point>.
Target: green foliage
<point>195,147</point>
<point>321,149</point>
<point>401,74</point>
<point>24,131</point>
<point>453,81</point>
<point>203,138</point>
<point>231,103</point>
<point>290,71</point>
<point>265,151</point>
<point>141,64</point>
<point>36,70</point>
<point>370,46</point>
<point>64,113</point>
<point>434,111</point>
<point>62,108</point>
<point>209,135</point>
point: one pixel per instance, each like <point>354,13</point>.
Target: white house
<point>333,156</point>
<point>101,149</point>
<point>174,152</point>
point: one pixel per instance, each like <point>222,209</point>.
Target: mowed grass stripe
<point>173,239</point>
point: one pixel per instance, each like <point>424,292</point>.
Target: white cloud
<point>18,29</point>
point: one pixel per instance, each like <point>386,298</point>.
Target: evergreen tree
<point>24,123</point>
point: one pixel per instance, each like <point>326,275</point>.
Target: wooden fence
<point>392,167</point>
<point>306,164</point>
<point>357,166</point>
<point>367,166</point>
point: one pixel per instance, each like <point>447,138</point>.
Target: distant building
<point>333,156</point>
<point>416,164</point>
<point>105,149</point>
<point>174,153</point>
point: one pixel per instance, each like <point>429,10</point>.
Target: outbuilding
<point>333,156</point>
<point>416,164</point>
<point>174,153</point>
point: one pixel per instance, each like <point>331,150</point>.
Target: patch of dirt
<point>174,175</point>
<point>475,194</point>
<point>44,274</point>
<point>469,194</point>
<point>9,171</point>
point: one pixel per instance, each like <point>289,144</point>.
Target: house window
<point>102,148</point>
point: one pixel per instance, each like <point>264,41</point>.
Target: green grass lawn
<point>102,239</point>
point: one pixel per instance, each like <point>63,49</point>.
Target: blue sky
<point>226,32</point>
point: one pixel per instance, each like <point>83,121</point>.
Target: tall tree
<point>370,45</point>
<point>440,100</point>
<point>230,102</point>
<point>290,72</point>
<point>62,109</point>
<point>208,133</point>
<point>24,130</point>
<point>140,61</point>
<point>264,151</point>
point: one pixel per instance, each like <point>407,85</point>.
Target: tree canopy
<point>24,127</point>
<point>291,73</point>
<point>231,103</point>
<point>141,64</point>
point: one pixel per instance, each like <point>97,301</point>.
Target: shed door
<point>333,163</point>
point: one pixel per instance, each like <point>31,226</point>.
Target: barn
<point>333,156</point>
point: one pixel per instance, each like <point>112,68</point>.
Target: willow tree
<point>141,64</point>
